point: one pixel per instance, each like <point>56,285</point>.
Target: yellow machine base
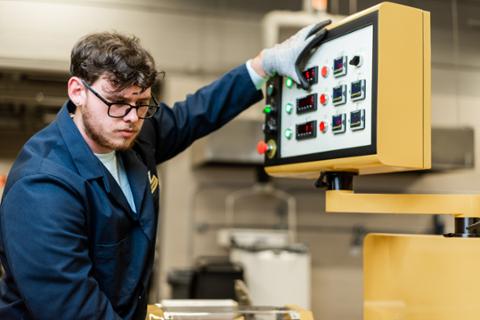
<point>418,277</point>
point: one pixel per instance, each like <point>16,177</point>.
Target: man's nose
<point>131,115</point>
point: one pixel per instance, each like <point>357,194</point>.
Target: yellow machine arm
<point>458,205</point>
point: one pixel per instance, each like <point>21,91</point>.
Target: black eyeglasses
<point>121,109</point>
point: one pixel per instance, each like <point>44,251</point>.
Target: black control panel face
<point>336,116</point>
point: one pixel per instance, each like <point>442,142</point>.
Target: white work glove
<point>283,57</point>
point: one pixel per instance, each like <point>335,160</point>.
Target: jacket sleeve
<point>174,129</point>
<point>44,236</point>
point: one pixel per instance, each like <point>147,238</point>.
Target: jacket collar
<point>86,162</point>
<point>90,167</point>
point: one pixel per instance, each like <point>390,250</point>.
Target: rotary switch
<point>270,127</point>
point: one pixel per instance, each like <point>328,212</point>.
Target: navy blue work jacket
<point>70,244</point>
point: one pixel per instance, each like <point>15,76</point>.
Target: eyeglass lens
<point>121,110</point>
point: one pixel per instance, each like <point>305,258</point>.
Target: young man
<point>79,212</point>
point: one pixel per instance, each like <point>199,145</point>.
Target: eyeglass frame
<point>110,104</point>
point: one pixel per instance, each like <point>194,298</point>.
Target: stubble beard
<point>96,136</point>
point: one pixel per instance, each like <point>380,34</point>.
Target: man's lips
<point>126,133</point>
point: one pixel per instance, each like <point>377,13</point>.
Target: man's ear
<point>76,91</point>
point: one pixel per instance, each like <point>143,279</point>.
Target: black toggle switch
<point>270,90</point>
<point>355,61</point>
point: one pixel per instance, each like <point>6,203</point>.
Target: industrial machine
<point>221,310</point>
<point>366,110</point>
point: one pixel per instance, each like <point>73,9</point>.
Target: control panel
<point>364,81</point>
<point>336,113</point>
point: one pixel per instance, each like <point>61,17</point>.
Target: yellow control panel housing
<point>397,98</point>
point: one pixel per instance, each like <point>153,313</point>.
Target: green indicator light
<point>289,82</point>
<point>288,134</point>
<point>289,108</point>
<point>267,109</point>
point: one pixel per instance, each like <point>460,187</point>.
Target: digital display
<point>311,75</point>
<point>306,130</point>
<point>340,66</point>
<point>338,123</point>
<point>357,90</point>
<point>307,104</point>
<point>339,95</point>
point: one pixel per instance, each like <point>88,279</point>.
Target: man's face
<point>102,132</point>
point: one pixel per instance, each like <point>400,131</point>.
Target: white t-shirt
<point>116,169</point>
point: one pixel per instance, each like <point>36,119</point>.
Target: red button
<point>323,126</point>
<point>324,71</point>
<point>262,147</point>
<point>323,99</point>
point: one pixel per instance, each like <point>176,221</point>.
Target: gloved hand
<point>284,57</point>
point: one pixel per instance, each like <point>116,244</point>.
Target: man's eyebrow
<point>115,97</point>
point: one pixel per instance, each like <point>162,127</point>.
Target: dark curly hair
<point>118,57</point>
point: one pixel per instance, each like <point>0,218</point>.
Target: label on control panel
<point>338,124</point>
<point>340,66</point>
<point>357,90</point>
<point>339,95</point>
<point>357,120</point>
